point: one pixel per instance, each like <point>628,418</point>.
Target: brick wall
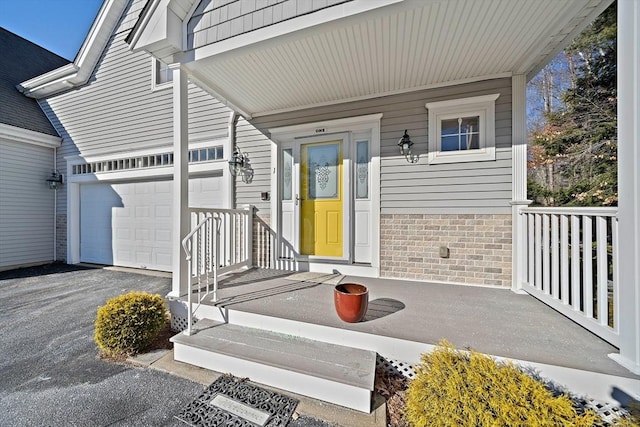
<point>479,248</point>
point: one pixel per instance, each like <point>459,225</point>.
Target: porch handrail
<point>235,244</point>
<point>600,211</point>
<point>200,249</point>
<point>572,264</point>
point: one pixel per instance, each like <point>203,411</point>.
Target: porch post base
<point>629,364</point>
<point>519,248</point>
<point>173,294</point>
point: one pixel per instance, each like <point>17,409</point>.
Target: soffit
<point>406,46</point>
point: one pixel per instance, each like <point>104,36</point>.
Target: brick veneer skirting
<point>479,248</point>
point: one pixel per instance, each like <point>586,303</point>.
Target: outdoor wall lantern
<point>405,144</point>
<point>55,180</point>
<point>239,166</point>
<point>236,162</point>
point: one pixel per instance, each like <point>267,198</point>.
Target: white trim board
<point>17,134</point>
<point>286,135</point>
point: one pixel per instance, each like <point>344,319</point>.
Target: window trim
<point>155,64</point>
<point>481,106</point>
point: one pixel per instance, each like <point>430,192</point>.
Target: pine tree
<point>573,160</point>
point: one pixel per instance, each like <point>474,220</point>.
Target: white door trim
<point>288,137</point>
<point>347,254</point>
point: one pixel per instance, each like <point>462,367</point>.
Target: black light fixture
<point>55,180</point>
<point>236,162</point>
<point>405,145</point>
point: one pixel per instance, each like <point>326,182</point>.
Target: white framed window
<point>161,75</point>
<point>462,130</point>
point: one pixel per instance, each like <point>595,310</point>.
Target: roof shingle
<point>22,60</point>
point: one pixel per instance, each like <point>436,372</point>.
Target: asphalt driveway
<point>49,372</point>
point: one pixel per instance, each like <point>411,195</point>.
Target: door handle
<point>297,199</point>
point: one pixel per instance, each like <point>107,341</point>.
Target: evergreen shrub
<point>128,323</point>
<point>459,388</point>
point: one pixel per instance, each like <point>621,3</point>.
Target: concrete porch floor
<point>489,320</point>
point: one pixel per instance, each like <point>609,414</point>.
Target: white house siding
<point>213,21</point>
<point>26,204</point>
<point>117,112</point>
<point>463,206</point>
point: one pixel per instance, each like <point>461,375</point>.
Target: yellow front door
<point>321,199</point>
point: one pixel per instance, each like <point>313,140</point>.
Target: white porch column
<point>629,184</point>
<point>181,218</point>
<point>518,178</point>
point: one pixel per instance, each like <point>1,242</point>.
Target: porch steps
<point>332,373</point>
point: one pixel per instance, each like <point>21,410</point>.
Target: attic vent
<point>199,155</point>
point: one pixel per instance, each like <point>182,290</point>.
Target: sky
<point>57,25</point>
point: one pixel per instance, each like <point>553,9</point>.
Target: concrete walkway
<point>50,374</point>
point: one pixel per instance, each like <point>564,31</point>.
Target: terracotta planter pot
<point>351,301</point>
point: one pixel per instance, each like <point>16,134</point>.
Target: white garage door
<point>130,224</point>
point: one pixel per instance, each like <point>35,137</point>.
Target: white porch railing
<point>572,263</point>
<point>220,242</point>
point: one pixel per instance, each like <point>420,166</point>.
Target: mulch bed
<point>393,388</point>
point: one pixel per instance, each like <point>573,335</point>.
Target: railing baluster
<point>602,272</point>
<point>576,294</point>
<point>531,245</point>
<point>564,259</point>
<point>587,266</point>
<point>538,255</point>
<point>546,270</point>
<point>555,258</point>
<point>614,255</point>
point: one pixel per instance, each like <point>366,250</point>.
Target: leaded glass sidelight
<point>362,169</point>
<point>287,174</point>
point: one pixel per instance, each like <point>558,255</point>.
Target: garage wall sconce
<point>55,180</point>
<point>405,145</point>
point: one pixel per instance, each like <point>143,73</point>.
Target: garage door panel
<point>163,235</point>
<point>163,211</point>
<point>129,224</point>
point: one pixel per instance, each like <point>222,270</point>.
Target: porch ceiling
<point>393,49</point>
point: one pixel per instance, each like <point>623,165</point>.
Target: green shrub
<point>128,323</point>
<point>459,388</point>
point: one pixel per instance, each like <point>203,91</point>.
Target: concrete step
<point>332,373</point>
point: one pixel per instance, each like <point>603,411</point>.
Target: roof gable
<point>79,71</point>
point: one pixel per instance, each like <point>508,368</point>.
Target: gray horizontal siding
<point>475,187</point>
<point>117,111</point>
<point>217,20</point>
<point>131,17</point>
<point>26,204</point>
<point>258,148</point>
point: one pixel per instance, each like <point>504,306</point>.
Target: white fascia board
<point>27,136</point>
<point>78,72</point>
<point>138,30</point>
<point>290,26</point>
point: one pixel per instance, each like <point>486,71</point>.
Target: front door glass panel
<point>321,211</point>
